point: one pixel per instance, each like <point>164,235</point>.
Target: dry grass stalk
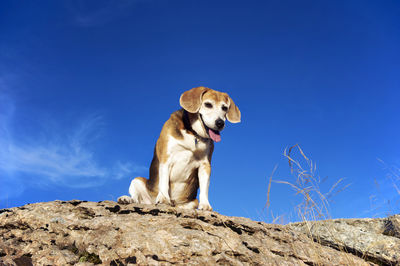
<point>393,175</point>
<point>314,204</point>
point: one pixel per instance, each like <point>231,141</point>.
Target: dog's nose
<point>220,123</point>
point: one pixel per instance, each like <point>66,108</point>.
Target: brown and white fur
<point>182,156</point>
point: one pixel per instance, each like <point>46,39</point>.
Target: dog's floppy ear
<point>191,100</point>
<point>233,114</point>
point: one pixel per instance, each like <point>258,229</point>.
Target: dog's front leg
<point>163,185</point>
<point>204,182</point>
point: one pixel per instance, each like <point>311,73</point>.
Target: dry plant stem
<point>269,186</point>
<point>314,204</point>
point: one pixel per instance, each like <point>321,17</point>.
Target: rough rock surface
<point>86,233</point>
<point>377,240</point>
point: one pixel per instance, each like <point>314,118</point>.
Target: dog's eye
<point>208,105</point>
<point>224,108</point>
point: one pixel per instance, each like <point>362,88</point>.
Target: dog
<point>182,157</point>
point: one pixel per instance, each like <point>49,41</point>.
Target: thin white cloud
<point>63,158</point>
<point>122,170</point>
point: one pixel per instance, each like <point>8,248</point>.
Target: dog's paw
<point>125,200</point>
<point>162,199</point>
<point>205,207</point>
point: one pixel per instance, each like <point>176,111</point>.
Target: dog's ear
<point>233,114</point>
<point>191,100</point>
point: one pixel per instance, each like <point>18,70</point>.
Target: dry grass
<point>314,204</point>
<point>384,202</point>
<point>393,174</point>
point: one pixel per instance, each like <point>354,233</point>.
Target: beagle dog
<point>182,156</point>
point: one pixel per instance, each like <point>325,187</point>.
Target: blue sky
<point>85,87</point>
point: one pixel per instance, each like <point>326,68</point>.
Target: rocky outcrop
<point>86,233</point>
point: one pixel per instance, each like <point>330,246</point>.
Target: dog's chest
<point>186,155</point>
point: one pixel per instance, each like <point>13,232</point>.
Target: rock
<point>376,240</point>
<point>87,233</point>
<point>391,226</point>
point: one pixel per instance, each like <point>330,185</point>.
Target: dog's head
<point>213,107</point>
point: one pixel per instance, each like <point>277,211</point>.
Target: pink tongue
<point>214,136</point>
